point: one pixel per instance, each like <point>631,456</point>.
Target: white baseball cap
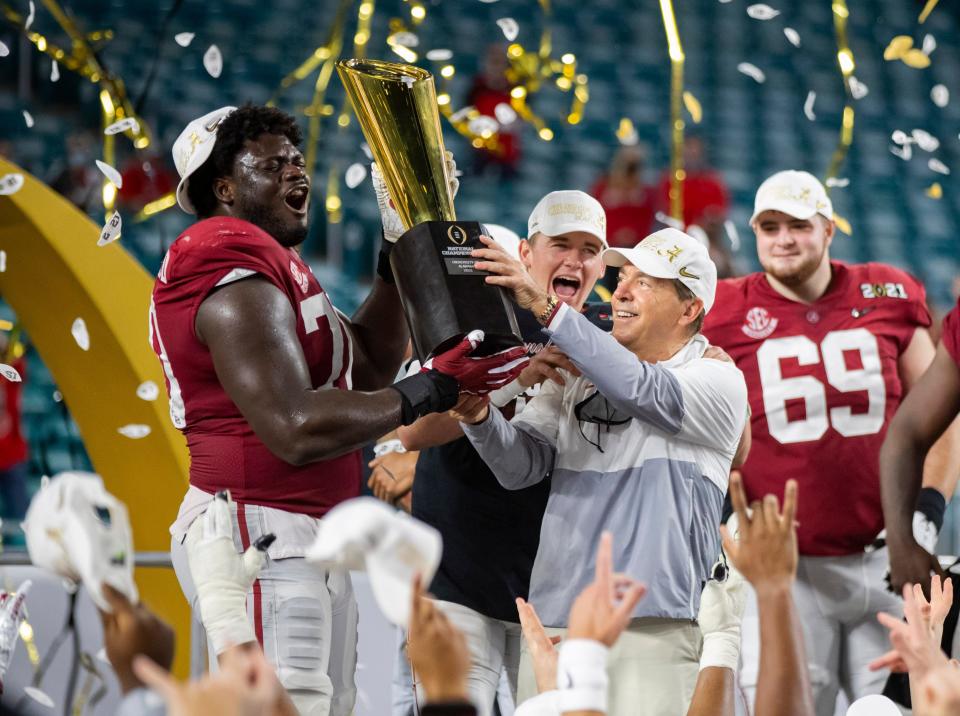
<point>393,547</point>
<point>192,149</point>
<point>799,194</point>
<point>561,212</point>
<point>670,253</point>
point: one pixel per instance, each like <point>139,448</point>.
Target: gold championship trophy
<point>443,296</point>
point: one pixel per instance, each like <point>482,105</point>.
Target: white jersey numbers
<point>777,389</point>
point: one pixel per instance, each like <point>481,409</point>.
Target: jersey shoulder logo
<point>299,276</point>
<point>759,323</point>
<point>883,290</point>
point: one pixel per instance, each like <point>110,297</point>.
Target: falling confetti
<point>404,39</point>
<point>668,220</point>
<point>916,59</point>
<point>3,261</point>
<point>929,44</point>
<point>355,175</point>
<point>627,133</point>
<point>935,165</point>
<point>134,431</point>
<point>122,125</point>
<point>110,173</point>
<point>762,12</point>
<point>926,141</point>
<point>29,21</point>
<point>439,55</point>
<point>838,182</point>
<point>732,234</point>
<point>34,693</point>
<point>461,114</point>
<point>934,191</point>
<point>213,61</point>
<point>808,105</point>
<point>693,107</point>
<point>752,71</point>
<point>843,224</point>
<point>900,137</point>
<point>792,35</point>
<point>483,125</point>
<point>111,230</point>
<point>505,114</point>
<point>898,47</point>
<point>28,119</point>
<point>366,150</point>
<point>940,95</point>
<point>927,9</point>
<point>10,373</point>
<point>858,90</point>
<point>54,71</point>
<point>183,38</point>
<point>80,335</point>
<point>10,184</point>
<point>509,27</point>
<point>905,152</point>
<point>148,390</point>
<point>4,50</point>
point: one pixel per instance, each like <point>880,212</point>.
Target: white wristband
<point>721,648</point>
<point>545,704</point>
<point>582,676</point>
<point>501,397</point>
<point>388,446</point>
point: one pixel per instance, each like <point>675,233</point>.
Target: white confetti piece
<point>926,141</point>
<point>355,175</point>
<point>26,26</point>
<point>439,55</point>
<point>110,173</point>
<point>122,125</point>
<point>900,137</point>
<point>213,61</point>
<point>184,38</point>
<point>10,373</point>
<point>79,332</point>
<point>505,113</point>
<point>752,71</point>
<point>3,261</point>
<point>366,150</point>
<point>404,39</point>
<point>732,234</point>
<point>4,50</point>
<point>509,27</point>
<point>148,390</point>
<point>36,694</point>
<point>111,230</point>
<point>792,35</point>
<point>929,44</point>
<point>940,95</point>
<point>483,125</point>
<point>28,119</point>
<point>10,184</point>
<point>858,89</point>
<point>935,165</point>
<point>668,220</point>
<point>54,71</point>
<point>761,11</point>
<point>808,105</point>
<point>838,181</point>
<point>461,114</point>
<point>134,431</point>
<point>905,152</point>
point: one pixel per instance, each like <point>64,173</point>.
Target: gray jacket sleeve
<point>519,454</point>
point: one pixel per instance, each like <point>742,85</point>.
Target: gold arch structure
<point>56,273</point>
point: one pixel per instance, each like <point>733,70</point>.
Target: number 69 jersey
<point>224,450</point>
<point>823,383</point>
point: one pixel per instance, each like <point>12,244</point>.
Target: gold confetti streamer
<point>847,65</point>
<point>934,191</point>
<point>916,58</point>
<point>927,9</point>
<point>898,47</point>
<point>677,58</point>
<point>693,107</point>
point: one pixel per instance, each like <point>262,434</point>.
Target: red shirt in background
<point>704,195</point>
<point>13,446</point>
<point>629,211</point>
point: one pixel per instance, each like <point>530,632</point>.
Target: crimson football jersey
<point>951,333</point>
<point>823,383</point>
<point>224,451</point>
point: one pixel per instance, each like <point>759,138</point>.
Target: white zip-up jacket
<point>658,483</point>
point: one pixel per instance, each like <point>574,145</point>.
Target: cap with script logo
<point>670,253</point>
<point>563,212</point>
<point>192,149</point>
<point>798,194</point>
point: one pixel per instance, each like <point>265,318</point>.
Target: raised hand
<point>932,615</point>
<point>912,640</point>
<point>130,630</point>
<point>478,375</point>
<point>546,365</point>
<point>437,650</point>
<point>542,648</point>
<point>392,475</point>
<point>471,409</point>
<point>508,272</point>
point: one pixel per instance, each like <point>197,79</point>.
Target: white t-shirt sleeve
<point>714,395</point>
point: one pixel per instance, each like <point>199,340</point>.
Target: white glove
<point>222,576</point>
<point>925,532</point>
<point>393,227</point>
<point>721,609</point>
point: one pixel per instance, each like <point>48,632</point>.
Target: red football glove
<point>478,375</point>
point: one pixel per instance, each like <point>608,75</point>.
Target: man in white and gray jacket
<point>640,443</point>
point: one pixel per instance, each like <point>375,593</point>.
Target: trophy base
<point>443,296</point>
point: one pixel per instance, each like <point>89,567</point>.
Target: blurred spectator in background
<point>705,198</point>
<point>13,446</point>
<point>146,177</point>
<point>79,180</point>
<point>628,202</point>
<point>489,89</point>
